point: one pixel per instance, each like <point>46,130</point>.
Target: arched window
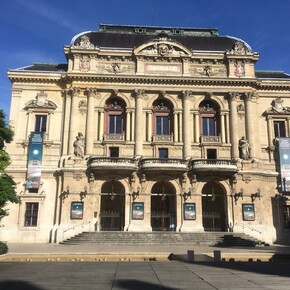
<point>115,118</point>
<point>162,114</point>
<point>210,118</point>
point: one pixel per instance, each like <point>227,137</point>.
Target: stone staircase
<point>220,239</point>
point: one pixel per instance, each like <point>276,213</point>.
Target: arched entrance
<point>112,214</point>
<point>163,207</point>
<point>214,205</point>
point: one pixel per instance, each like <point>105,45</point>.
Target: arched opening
<point>112,213</point>
<point>163,207</point>
<point>214,207</point>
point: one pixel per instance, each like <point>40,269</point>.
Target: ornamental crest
<point>85,43</point>
<point>239,69</point>
<point>84,64</point>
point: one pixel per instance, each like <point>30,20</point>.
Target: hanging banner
<point>35,148</point>
<point>284,155</point>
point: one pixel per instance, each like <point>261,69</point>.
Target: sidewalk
<point>30,251</point>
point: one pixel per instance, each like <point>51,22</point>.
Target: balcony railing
<point>162,138</point>
<point>114,136</point>
<point>111,163</point>
<point>167,164</point>
<point>215,165</point>
<point>211,139</point>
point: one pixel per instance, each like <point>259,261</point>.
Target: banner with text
<point>35,148</point>
<point>284,154</point>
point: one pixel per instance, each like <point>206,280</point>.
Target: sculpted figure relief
<point>244,147</point>
<point>79,146</point>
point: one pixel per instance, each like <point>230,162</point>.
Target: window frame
<point>30,218</point>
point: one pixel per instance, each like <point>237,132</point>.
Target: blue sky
<point>37,30</point>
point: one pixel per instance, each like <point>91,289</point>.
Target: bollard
<point>190,256</point>
<point>217,256</point>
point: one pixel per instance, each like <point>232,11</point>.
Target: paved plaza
<point>28,273</point>
<point>143,275</point>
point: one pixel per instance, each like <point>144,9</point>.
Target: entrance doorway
<point>112,214</point>
<point>214,207</point>
<point>163,207</point>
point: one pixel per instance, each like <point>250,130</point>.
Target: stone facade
<point>150,128</point>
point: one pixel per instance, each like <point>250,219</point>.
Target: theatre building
<point>150,129</point>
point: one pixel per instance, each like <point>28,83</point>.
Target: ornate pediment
<point>40,102</point>
<point>162,47</point>
<point>277,108</point>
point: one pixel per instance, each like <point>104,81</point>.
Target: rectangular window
<point>115,124</point>
<point>31,213</point>
<point>162,125</point>
<point>279,129</point>
<point>208,126</point>
<point>163,152</point>
<point>286,216</point>
<point>114,151</point>
<point>40,123</point>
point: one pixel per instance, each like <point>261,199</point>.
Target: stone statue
<point>244,147</point>
<point>79,146</point>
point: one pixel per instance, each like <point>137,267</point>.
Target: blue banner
<point>35,148</point>
<point>284,153</point>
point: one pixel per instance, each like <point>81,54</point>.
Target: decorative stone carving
<point>79,146</point>
<point>244,148</point>
<point>84,65</point>
<point>277,107</point>
<point>239,69</point>
<point>85,43</point>
<point>209,71</point>
<point>116,68</point>
<point>238,48</point>
<point>41,102</point>
<point>83,106</point>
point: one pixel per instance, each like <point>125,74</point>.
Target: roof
<point>130,37</point>
<point>264,74</point>
<point>48,67</point>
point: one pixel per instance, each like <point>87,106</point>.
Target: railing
<point>169,163</point>
<point>75,229</point>
<point>114,136</point>
<point>162,138</point>
<point>214,164</point>
<point>111,162</point>
<point>210,139</point>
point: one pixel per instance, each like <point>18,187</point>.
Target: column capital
<point>186,95</point>
<point>73,91</point>
<point>91,92</point>
<point>250,96</point>
<point>139,94</point>
<point>233,96</point>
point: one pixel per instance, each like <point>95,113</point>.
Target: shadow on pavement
<point>140,285</point>
<point>18,285</point>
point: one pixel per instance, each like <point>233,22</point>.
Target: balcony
<point>114,137</point>
<point>210,139</point>
<point>164,164</point>
<point>217,166</point>
<point>162,138</point>
<point>111,163</point>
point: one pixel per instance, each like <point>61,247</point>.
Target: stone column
<point>74,93</point>
<point>90,125</point>
<point>65,130</point>
<point>233,96</point>
<point>149,126</point>
<point>187,124</point>
<point>180,127</point>
<point>269,127</point>
<point>175,124</point>
<point>132,125</point>
<point>227,128</point>
<point>101,128</point>
<point>196,127</point>
<point>251,121</point>
<point>223,131</point>
<point>139,96</point>
<point>28,127</point>
<point>128,122</point>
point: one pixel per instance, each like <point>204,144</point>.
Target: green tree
<point>7,184</point>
